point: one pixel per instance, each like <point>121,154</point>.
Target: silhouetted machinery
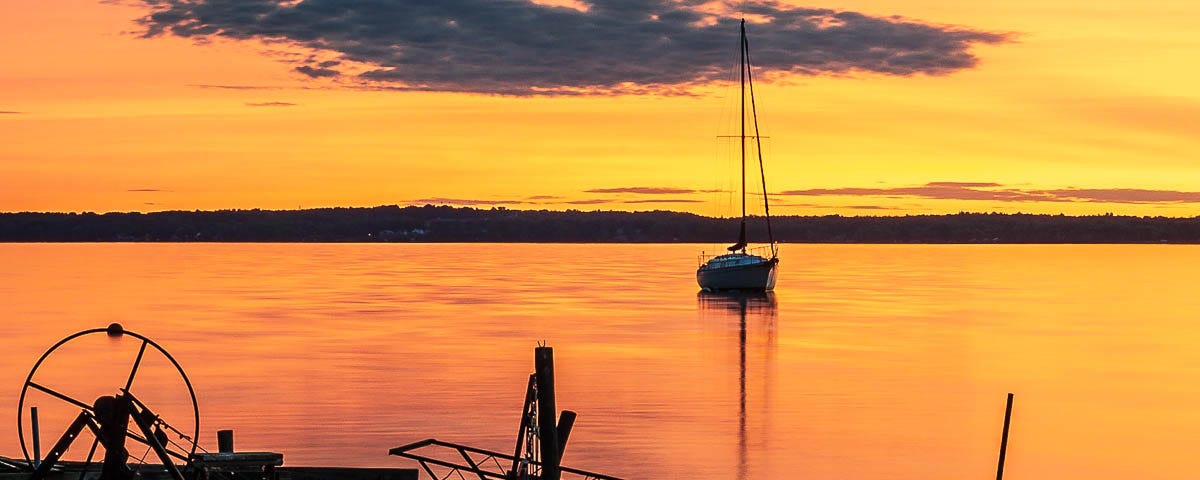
<point>119,420</point>
<point>113,419</point>
<point>540,440</point>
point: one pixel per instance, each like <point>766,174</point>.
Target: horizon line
<point>505,208</point>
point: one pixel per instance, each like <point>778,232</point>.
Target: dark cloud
<point>962,184</point>
<point>463,201</point>
<point>270,104</point>
<point>643,190</point>
<point>146,190</point>
<point>997,192</point>
<point>927,191</point>
<point>1124,195</point>
<point>235,87</point>
<point>543,197</point>
<point>594,201</point>
<point>317,72</point>
<point>663,200</point>
<point>517,47</point>
<point>776,203</point>
<point>10,112</point>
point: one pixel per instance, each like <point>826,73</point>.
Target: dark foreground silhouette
<point>449,224</point>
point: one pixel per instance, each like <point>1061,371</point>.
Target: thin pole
<point>37,437</point>
<point>742,80</point>
<point>762,173</point>
<point>547,413</point>
<point>1004,438</point>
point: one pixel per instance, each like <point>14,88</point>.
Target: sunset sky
<point>872,107</point>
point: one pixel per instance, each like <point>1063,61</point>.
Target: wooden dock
<point>240,466</point>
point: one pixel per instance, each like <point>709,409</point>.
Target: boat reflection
<point>740,303</point>
<point>756,313</point>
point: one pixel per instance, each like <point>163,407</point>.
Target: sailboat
<point>743,269</point>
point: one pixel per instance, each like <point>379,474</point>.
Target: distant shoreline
<point>445,224</point>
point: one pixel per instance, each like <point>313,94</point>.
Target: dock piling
<point>225,441</point>
<point>565,421</point>
<point>37,437</point>
<point>540,440</point>
<point>547,412</point>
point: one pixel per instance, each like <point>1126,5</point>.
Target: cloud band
<point>517,47</point>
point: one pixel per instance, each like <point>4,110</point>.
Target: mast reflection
<point>756,312</point>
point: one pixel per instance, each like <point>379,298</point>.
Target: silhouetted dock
<point>237,469</point>
<point>120,418</point>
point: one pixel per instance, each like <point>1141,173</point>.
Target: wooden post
<point>1004,438</point>
<point>225,441</point>
<point>565,422</point>
<point>37,437</point>
<point>547,414</point>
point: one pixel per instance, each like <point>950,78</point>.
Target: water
<point>868,362</point>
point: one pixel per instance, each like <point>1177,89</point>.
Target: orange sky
<point>1091,108</point>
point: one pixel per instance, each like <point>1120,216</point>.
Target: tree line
<point>432,223</point>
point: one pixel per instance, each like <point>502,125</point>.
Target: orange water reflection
<point>867,362</point>
<point>755,313</point>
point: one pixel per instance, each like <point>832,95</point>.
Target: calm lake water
<point>868,362</point>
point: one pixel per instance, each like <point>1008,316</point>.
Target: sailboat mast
<point>758,148</point>
<point>742,114</point>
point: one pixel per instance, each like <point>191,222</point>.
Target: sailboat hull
<point>758,276</point>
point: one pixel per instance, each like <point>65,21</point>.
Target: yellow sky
<point>1093,98</point>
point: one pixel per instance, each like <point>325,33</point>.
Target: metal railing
<point>765,251</point>
<point>485,464</point>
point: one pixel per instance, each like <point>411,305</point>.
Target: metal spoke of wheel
<point>136,363</point>
<point>60,396</point>
<point>142,440</point>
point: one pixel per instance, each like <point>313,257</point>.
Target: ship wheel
<point>117,414</point>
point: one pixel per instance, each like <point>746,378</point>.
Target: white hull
<point>746,274</point>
